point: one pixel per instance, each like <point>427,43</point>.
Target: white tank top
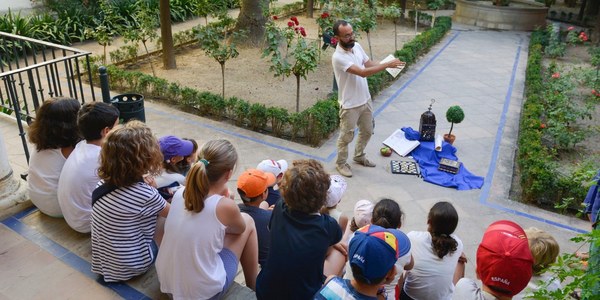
<point>188,263</point>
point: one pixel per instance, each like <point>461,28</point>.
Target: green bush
<point>543,180</point>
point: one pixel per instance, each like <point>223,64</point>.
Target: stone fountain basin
<point>519,15</point>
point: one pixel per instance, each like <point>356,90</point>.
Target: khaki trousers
<point>361,116</point>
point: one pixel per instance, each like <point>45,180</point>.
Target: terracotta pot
<point>449,138</point>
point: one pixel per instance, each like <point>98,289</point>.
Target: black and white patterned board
<point>404,167</point>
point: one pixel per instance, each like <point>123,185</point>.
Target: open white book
<point>393,71</point>
<point>398,142</point>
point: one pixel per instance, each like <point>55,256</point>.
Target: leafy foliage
<point>548,125</point>
<point>454,114</point>
<point>575,275</point>
<point>302,59</point>
<point>214,40</point>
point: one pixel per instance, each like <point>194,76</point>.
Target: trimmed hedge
<point>311,125</point>
<point>541,179</point>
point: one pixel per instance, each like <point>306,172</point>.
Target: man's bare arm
<point>373,67</point>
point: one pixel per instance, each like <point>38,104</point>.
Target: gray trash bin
<point>130,106</point>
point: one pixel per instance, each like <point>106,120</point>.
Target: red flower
<point>295,20</point>
<point>302,32</point>
<point>275,17</point>
<point>334,41</point>
<point>570,28</point>
<point>595,93</point>
<point>290,24</point>
<point>324,15</point>
<point>556,75</point>
<point>542,126</point>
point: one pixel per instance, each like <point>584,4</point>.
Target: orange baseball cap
<point>254,182</point>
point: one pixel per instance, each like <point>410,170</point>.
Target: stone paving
<point>482,71</point>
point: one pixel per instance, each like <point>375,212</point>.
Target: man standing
<point>351,66</point>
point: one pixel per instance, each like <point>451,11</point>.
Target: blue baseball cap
<point>374,250</point>
<point>172,146</point>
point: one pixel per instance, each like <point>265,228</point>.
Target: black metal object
<point>131,107</point>
<point>32,71</point>
<point>104,84</point>
<point>427,124</point>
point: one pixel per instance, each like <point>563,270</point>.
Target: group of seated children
<point>137,193</point>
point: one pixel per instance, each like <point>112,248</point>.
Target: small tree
<point>302,59</point>
<point>107,26</point>
<point>144,29</point>
<point>215,40</point>
<point>454,114</point>
<point>435,5</point>
<point>367,19</point>
<point>362,15</point>
<point>393,13</point>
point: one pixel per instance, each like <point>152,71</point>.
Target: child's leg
<point>335,261</point>
<point>245,247</point>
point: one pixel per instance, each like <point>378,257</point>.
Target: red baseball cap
<point>504,261</point>
<point>254,182</point>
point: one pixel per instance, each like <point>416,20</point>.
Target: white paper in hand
<point>393,71</point>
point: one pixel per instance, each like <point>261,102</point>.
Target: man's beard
<point>348,45</point>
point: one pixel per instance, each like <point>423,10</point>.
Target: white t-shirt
<point>431,277</point>
<point>78,179</point>
<point>353,89</point>
<point>467,289</point>
<point>188,264</point>
<point>390,288</point>
<point>166,178</point>
<point>534,285</point>
<point>44,171</point>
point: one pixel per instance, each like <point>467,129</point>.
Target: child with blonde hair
<point>206,236</point>
<point>544,249</point>
<point>125,207</point>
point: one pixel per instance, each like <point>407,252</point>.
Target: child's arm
<point>165,211</point>
<point>229,215</point>
<point>459,272</point>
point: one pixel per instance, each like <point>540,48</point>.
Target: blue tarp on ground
<point>429,160</point>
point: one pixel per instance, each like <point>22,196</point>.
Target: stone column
<point>13,190</point>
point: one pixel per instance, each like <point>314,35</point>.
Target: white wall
<point>14,5</point>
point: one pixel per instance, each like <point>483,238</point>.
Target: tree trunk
<point>451,127</point>
<point>369,41</point>
<point>252,21</point>
<point>149,58</point>
<point>297,93</point>
<point>168,55</point>
<point>223,77</point>
<point>596,32</point>
<point>592,7</point>
<point>395,36</point>
<point>310,8</point>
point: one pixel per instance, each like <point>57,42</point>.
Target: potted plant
<point>454,114</point>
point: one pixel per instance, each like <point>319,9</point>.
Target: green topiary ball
<point>455,114</point>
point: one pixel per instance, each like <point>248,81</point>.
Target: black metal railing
<point>33,70</point>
